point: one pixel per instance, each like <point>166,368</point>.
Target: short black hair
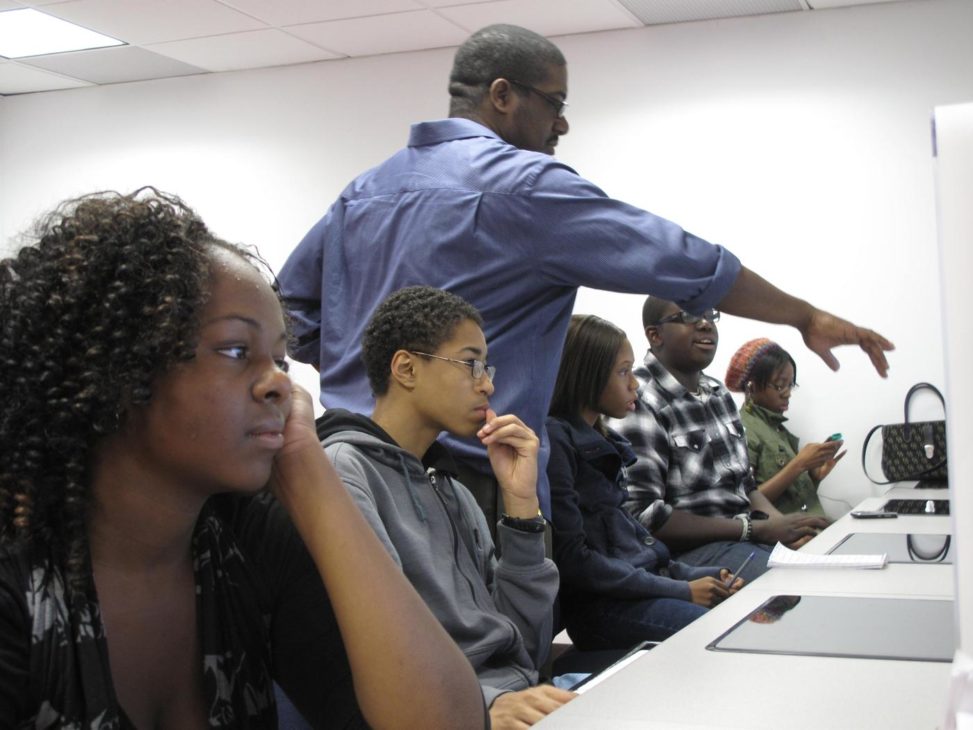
<point>414,318</point>
<point>589,353</point>
<point>494,52</point>
<point>773,357</point>
<point>653,310</point>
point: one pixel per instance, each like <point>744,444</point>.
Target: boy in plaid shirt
<point>692,485</point>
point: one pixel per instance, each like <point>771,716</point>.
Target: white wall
<point>799,140</point>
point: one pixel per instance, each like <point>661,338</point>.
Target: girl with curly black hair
<point>146,577</point>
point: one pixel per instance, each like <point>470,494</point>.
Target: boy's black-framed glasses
<point>558,105</point>
<point>478,368</point>
<point>710,315</point>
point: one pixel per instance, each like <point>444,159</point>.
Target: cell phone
<point>873,514</point>
<point>834,437</point>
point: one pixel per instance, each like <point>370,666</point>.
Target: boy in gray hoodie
<point>426,356</point>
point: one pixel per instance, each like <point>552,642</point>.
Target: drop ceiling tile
<point>18,79</point>
<point>544,17</point>
<point>822,4</point>
<point>382,33</point>
<point>9,5</point>
<point>140,22</point>
<point>654,12</point>
<point>446,3</point>
<point>294,12</point>
<point>253,49</point>
<point>113,65</point>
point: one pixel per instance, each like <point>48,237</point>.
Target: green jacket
<point>771,446</point>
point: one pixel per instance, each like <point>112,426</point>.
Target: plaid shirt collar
<point>665,380</point>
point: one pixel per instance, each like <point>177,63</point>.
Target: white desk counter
<point>682,685</point>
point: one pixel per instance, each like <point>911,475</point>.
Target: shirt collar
<point>446,130</point>
<point>590,442</point>
<point>765,414</point>
<point>667,382</point>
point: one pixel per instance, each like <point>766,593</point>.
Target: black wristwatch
<point>534,524</point>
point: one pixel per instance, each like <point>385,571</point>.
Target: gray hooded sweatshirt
<point>499,612</point>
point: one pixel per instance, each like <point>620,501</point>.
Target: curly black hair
<point>414,318</point>
<point>105,301</point>
<point>498,51</point>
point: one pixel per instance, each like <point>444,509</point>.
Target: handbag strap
<point>937,557</point>
<point>908,397</point>
<point>864,449</point>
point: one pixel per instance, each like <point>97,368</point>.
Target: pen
<point>734,576</point>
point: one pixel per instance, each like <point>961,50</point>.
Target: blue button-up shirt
<point>513,232</point>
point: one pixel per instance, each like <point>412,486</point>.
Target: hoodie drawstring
<point>420,511</point>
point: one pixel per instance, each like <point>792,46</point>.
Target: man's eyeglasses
<point>782,388</point>
<point>558,105</point>
<point>710,315</point>
<point>478,368</point>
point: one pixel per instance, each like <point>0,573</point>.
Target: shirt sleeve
<point>299,283</point>
<point>581,568</point>
<point>580,236</point>
<point>692,572</point>
<point>524,585</point>
<point>648,476</point>
<point>754,449</point>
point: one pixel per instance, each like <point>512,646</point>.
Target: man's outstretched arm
<point>754,297</point>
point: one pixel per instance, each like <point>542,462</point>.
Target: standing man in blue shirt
<point>477,205</point>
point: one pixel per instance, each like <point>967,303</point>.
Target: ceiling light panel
<point>29,32</point>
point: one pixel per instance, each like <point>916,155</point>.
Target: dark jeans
<point>729,555</point>
<point>611,623</point>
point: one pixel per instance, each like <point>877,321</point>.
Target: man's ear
<point>654,336</point>
<point>502,96</point>
<point>403,370</point>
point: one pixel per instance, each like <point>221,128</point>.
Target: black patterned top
<point>263,616</point>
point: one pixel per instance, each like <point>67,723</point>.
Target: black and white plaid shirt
<point>692,451</point>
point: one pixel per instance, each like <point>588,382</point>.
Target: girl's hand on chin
<point>299,429</point>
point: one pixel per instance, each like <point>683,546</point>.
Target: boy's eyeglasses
<point>558,105</point>
<point>478,368</point>
<point>710,315</point>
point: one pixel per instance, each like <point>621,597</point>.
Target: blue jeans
<point>729,555</point>
<point>595,623</point>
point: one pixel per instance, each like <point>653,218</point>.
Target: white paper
<point>783,557</point>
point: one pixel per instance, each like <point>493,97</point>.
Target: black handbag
<point>912,450</point>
